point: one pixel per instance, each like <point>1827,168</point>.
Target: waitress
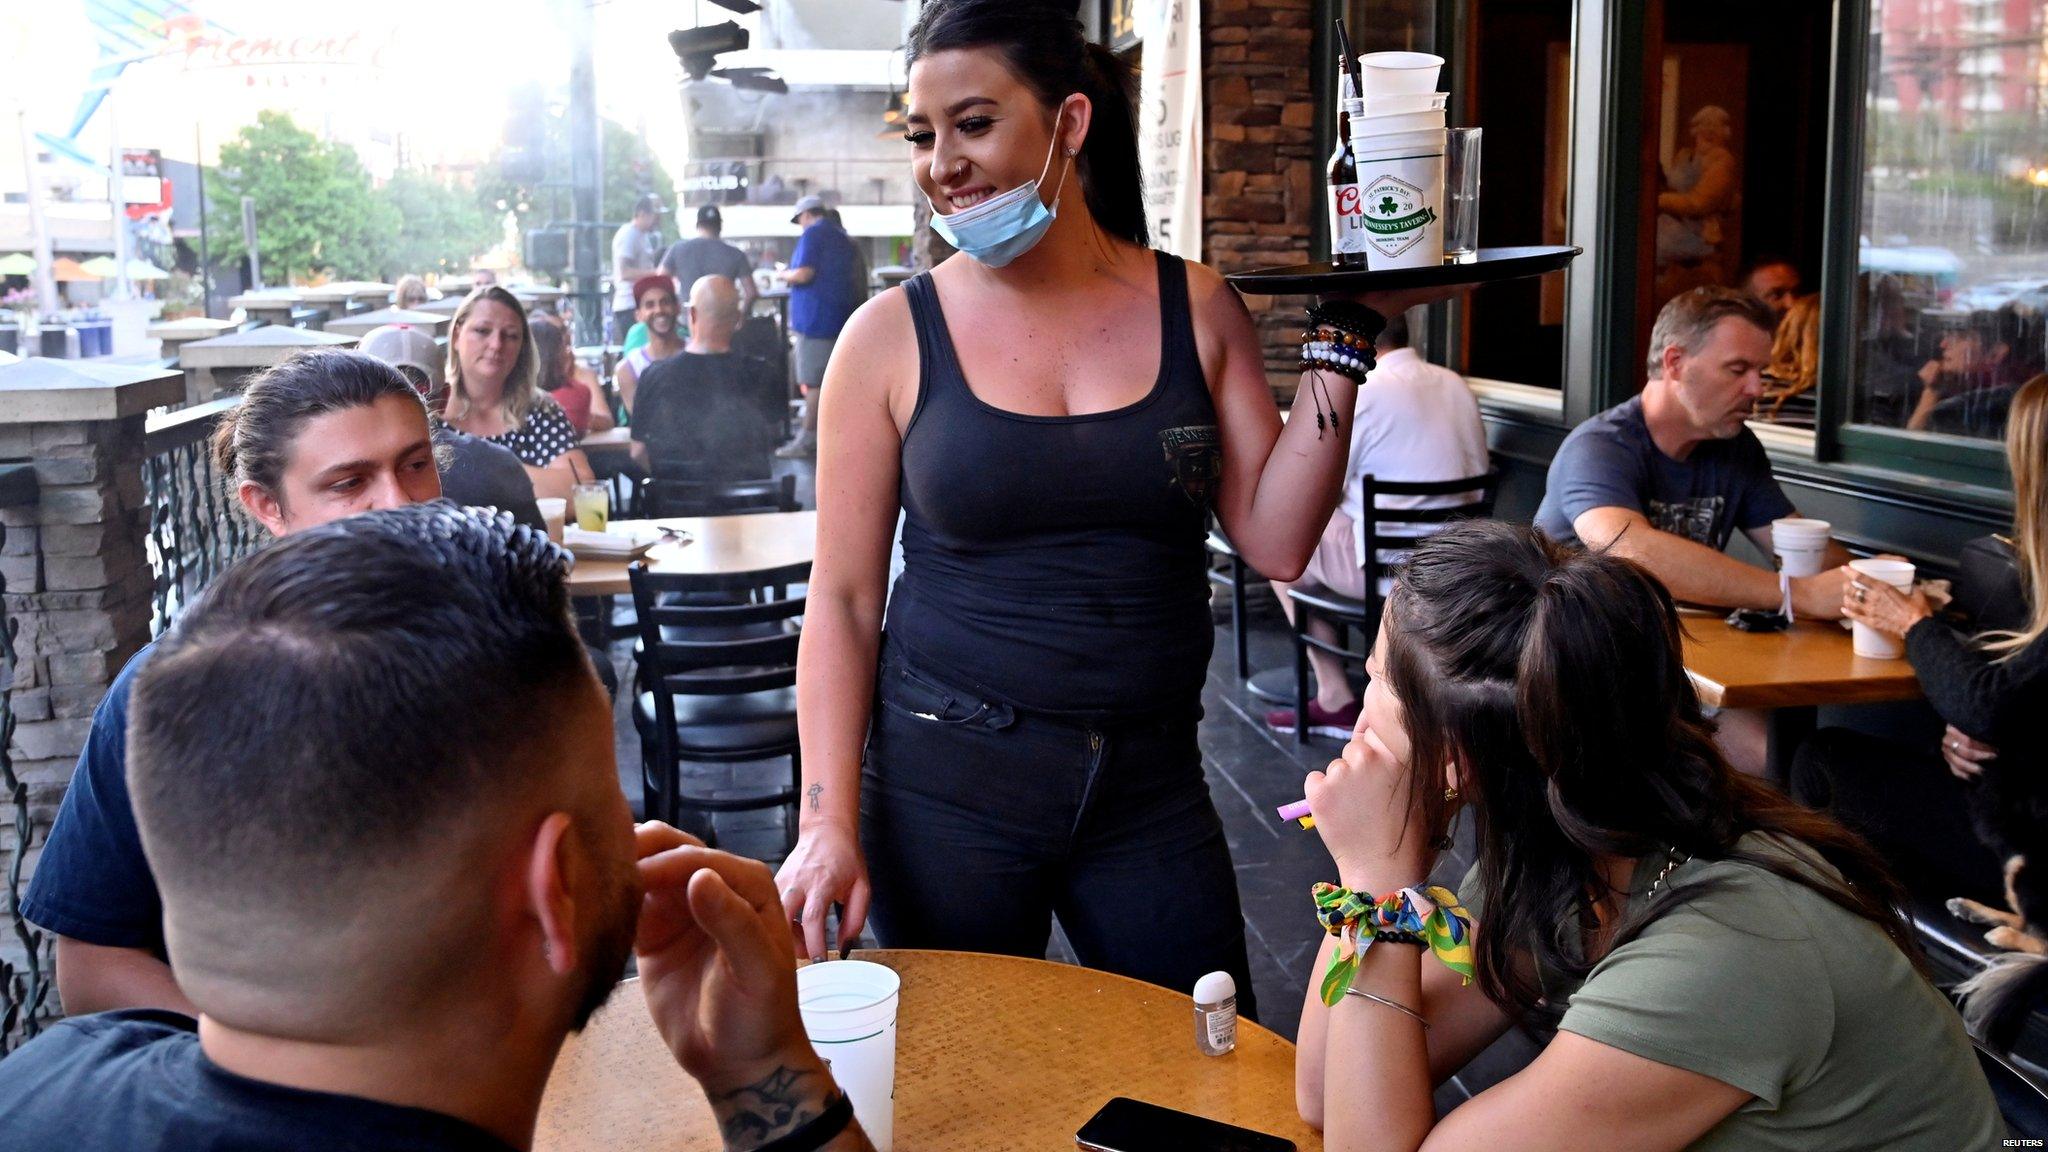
<point>1056,411</point>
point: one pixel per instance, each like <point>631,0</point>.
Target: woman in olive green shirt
<point>1724,969</point>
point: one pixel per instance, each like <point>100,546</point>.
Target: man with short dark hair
<point>825,286</point>
<point>654,302</point>
<point>1775,281</point>
<point>1666,477</point>
<point>636,252</point>
<point>705,254</point>
<point>710,413</point>
<point>374,775</point>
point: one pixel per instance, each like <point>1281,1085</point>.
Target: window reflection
<point>1953,261</point>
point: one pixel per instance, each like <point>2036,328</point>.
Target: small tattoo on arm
<point>814,791</point>
<point>769,1107</point>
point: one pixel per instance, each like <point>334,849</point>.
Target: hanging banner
<point>1170,123</point>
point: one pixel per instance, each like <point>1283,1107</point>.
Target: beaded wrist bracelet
<point>1431,917</point>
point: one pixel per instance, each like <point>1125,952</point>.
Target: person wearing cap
<point>636,252</point>
<point>705,254</point>
<point>825,286</point>
<point>474,472</point>
<point>656,307</point>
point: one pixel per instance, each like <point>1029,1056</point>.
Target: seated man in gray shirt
<point>1666,477</point>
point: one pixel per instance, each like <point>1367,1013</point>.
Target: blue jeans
<point>981,822</point>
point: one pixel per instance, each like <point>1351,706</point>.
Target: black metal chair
<point>716,685</point>
<point>1347,613</point>
<point>1231,572</point>
<point>663,496</point>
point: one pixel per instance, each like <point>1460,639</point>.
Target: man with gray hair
<point>1666,477</point>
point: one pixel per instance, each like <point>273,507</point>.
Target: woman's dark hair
<point>549,336</point>
<point>1042,44</point>
<point>1553,679</point>
<point>253,442</point>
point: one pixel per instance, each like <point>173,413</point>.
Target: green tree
<point>315,210</point>
<point>438,228</point>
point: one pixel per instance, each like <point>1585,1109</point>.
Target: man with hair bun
<point>323,435</point>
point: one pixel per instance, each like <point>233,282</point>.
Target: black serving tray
<point>1323,278</point>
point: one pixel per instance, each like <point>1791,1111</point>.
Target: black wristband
<point>816,1132</point>
<point>1349,316</point>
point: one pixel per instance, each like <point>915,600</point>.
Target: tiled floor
<point>1251,771</point>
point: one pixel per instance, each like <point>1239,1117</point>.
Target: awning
<point>69,271</point>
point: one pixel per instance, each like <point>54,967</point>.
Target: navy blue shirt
<point>93,883</point>
<point>1610,461</point>
<point>819,309</point>
<point>138,1080</point>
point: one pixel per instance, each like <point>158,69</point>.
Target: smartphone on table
<point>1127,1125</point>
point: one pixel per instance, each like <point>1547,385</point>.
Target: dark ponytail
<point>1043,46</point>
<point>1553,678</point>
<point>253,442</point>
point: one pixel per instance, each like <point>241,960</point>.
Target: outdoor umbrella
<point>103,267</point>
<point>17,264</point>
<point>70,271</point>
<point>144,270</point>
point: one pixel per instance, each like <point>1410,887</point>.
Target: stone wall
<point>78,582</point>
<point>1263,168</point>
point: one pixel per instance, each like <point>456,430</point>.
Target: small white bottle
<point>1215,1014</point>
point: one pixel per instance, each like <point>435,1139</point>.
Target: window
<point>1952,276</point>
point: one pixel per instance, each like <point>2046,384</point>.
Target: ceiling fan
<point>699,49</point>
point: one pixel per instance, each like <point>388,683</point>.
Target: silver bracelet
<point>1403,1009</point>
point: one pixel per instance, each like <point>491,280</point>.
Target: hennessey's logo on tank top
<point>1195,453</point>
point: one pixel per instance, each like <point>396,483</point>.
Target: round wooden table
<point>992,1052</point>
<point>718,546</point>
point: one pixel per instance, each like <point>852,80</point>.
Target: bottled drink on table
<point>1347,204</point>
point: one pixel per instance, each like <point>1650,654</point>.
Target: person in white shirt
<point>1415,422</point>
<point>636,252</point>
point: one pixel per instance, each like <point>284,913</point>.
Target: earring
<point>1071,151</point>
<point>1450,795</point>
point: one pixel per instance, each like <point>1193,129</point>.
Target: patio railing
<point>24,989</point>
<point>195,530</point>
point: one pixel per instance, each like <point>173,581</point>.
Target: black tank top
<point>1057,562</point>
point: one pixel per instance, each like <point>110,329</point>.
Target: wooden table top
<point>718,546</point>
<point>1811,663</point>
<point>616,440</point>
<point>992,1053</point>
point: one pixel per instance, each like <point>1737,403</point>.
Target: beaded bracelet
<point>1430,916</point>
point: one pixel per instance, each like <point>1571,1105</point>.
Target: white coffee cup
<point>1398,73</point>
<point>1869,641</point>
<point>1388,104</point>
<point>1801,545</point>
<point>555,511</point>
<point>1401,182</point>
<point>849,1013</point>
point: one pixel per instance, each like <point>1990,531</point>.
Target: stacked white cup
<point>1397,140</point>
<point>1869,641</point>
<point>1801,545</point>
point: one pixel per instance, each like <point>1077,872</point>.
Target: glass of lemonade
<point>593,506</point>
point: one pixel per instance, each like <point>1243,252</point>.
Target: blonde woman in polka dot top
<point>492,392</point>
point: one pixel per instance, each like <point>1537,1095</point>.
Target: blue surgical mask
<point>1006,226</point>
